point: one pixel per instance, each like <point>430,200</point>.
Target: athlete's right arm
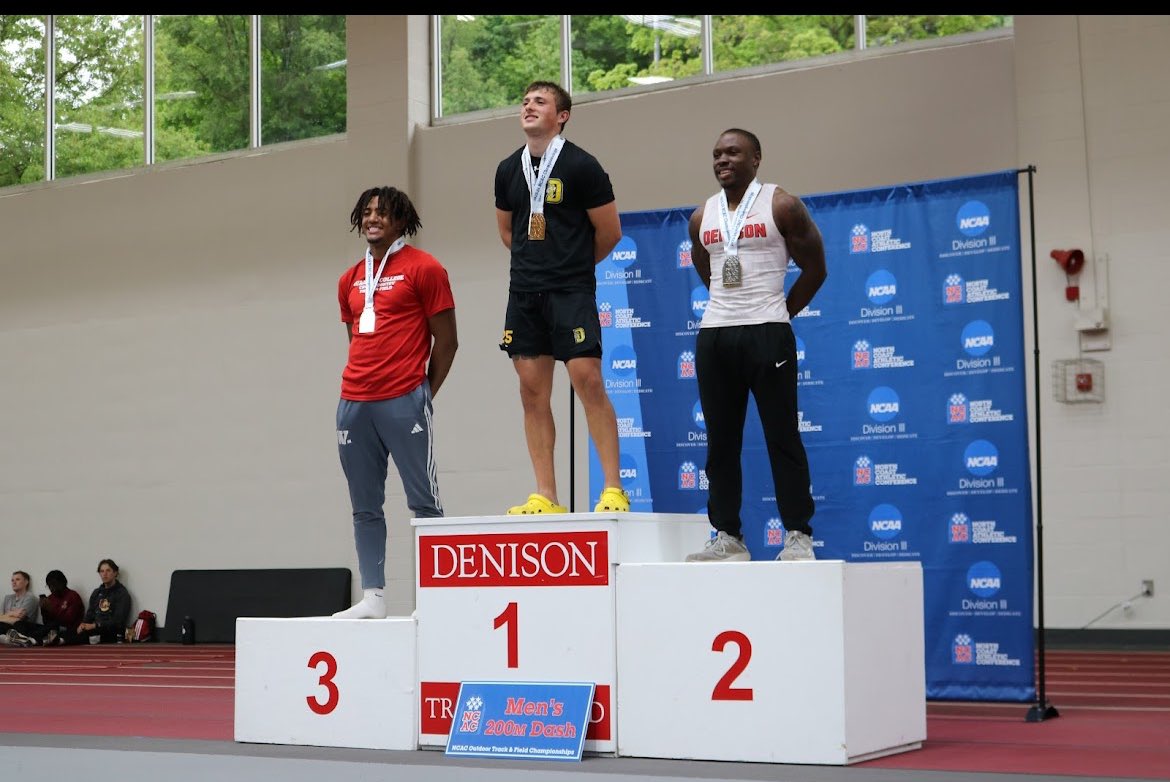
<point>504,223</point>
<point>699,255</point>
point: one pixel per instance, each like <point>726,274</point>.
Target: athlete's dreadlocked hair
<point>393,203</point>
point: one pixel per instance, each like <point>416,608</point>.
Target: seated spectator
<point>20,606</point>
<point>61,609</point>
<point>108,612</point>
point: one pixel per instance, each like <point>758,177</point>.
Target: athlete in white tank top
<point>741,241</point>
<point>763,257</point>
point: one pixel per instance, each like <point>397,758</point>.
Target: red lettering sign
<point>436,702</point>
<point>514,559</point>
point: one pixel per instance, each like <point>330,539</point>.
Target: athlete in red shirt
<point>402,341</point>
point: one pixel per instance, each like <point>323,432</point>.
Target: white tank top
<point>763,256</point>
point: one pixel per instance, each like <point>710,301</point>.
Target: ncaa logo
<point>699,298</point>
<point>984,579</point>
<point>623,361</point>
<point>799,351</point>
<point>697,417</point>
<point>885,521</point>
<point>686,365</point>
<point>883,404</point>
<point>960,528</point>
<point>953,289</point>
<point>625,253</point>
<point>683,255</point>
<point>963,650</point>
<point>688,476</point>
<point>978,337</point>
<point>973,218</point>
<point>859,239</point>
<point>981,458</point>
<point>627,470</point>
<point>881,287</point>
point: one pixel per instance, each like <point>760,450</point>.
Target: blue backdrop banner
<point>912,399</point>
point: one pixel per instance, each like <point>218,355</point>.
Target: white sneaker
<point>17,638</point>
<point>369,607</point>
<point>722,548</point>
<point>797,546</point>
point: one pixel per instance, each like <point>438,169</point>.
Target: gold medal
<point>536,226</point>
<point>732,272</point>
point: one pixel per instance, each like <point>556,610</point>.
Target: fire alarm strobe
<point>1072,261</point>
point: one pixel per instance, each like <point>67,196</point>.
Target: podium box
<point>817,662</point>
<point>530,598</point>
<point>327,682</point>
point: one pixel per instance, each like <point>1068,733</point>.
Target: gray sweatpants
<point>368,433</point>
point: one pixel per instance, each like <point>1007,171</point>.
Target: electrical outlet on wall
<point>1148,587</point>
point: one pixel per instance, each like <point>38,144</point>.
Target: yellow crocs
<point>537,503</point>
<point>613,500</point>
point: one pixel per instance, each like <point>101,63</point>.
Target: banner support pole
<point>1041,710</point>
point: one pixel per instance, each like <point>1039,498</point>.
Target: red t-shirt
<point>65,610</point>
<point>392,360</point>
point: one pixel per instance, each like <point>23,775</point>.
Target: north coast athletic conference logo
<point>963,650</point>
<point>960,528</point>
<point>471,715</point>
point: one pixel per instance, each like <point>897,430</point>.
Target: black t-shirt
<point>563,260</point>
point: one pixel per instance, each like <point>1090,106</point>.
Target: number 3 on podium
<point>326,681</point>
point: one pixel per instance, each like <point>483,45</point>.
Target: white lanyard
<point>731,232</point>
<point>366,321</point>
<point>371,278</point>
<point>538,180</point>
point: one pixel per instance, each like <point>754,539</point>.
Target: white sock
<point>371,606</point>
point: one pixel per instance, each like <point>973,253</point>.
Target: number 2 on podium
<point>723,690</point>
<point>509,617</point>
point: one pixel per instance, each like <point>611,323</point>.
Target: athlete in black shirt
<point>556,239</point>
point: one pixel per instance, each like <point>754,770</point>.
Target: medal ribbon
<point>731,232</point>
<point>538,180</point>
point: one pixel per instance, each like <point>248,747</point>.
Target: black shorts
<point>563,325</point>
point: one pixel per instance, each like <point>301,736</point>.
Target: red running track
<point>1114,708</point>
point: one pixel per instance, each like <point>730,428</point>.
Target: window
<point>204,96</point>
<point>201,88</point>
<point>98,93</point>
<point>487,61</point>
<point>302,67</point>
<point>484,62</point>
<point>747,41</point>
<point>891,30</point>
<point>613,52</point>
<point>22,99</point>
